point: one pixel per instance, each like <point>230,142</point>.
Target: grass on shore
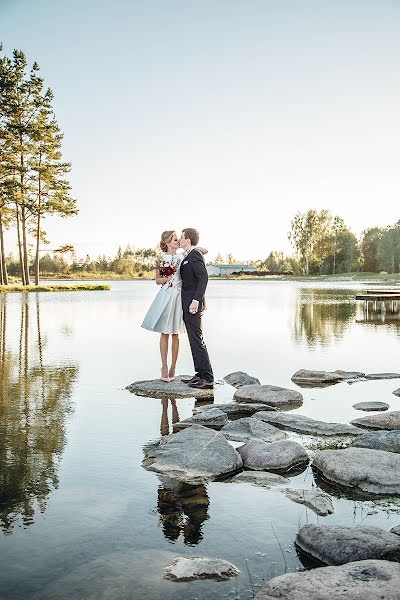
<point>53,288</point>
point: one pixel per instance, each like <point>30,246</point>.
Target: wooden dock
<point>389,300</point>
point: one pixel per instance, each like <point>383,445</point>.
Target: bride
<point>165,313</point>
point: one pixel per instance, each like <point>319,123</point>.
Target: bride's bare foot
<point>164,374</point>
<point>171,374</point>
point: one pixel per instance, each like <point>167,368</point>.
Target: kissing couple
<point>180,303</point>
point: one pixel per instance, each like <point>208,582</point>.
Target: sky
<point>225,115</point>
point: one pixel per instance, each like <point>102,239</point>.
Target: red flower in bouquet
<point>168,268</point>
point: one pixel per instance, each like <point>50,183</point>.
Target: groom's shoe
<point>193,379</point>
<point>202,384</point>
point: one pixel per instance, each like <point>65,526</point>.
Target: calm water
<point>80,517</point>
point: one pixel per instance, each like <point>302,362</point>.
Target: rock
<point>389,420</point>
<point>379,440</point>
<point>155,388</point>
<point>185,568</point>
<point>276,456</point>
<point>370,471</point>
<point>316,500</point>
<point>340,545</point>
<point>382,376</point>
<point>239,378</point>
<point>215,419</point>
<point>195,455</point>
<point>303,424</point>
<point>395,530</point>
<point>396,392</point>
<point>247,428</point>
<point>367,406</point>
<point>366,580</point>
<point>236,408</point>
<point>261,478</point>
<point>306,378</point>
<point>269,394</point>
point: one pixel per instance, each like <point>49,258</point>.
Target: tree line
<point>33,183</point>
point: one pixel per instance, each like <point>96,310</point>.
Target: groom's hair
<point>192,235</point>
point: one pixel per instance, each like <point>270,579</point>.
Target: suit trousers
<point>201,360</point>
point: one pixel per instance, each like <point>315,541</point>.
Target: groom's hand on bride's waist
<point>194,307</point>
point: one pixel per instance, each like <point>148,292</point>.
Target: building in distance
<point>220,270</point>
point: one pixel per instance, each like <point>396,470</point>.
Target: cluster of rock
<point>363,559</point>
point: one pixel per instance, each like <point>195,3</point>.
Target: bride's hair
<point>166,238</point>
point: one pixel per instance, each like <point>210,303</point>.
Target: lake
<point>81,518</point>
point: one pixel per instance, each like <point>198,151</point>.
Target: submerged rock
<point>396,392</point>
<point>155,388</point>
<point>195,455</point>
<point>303,424</point>
<point>379,440</point>
<point>370,471</point>
<point>389,420</point>
<point>260,478</point>
<point>239,378</point>
<point>185,568</point>
<point>274,395</point>
<point>340,545</point>
<point>367,406</point>
<point>235,408</point>
<point>276,456</point>
<point>307,378</point>
<point>248,428</point>
<point>382,376</point>
<point>319,502</point>
<point>366,580</point>
<point>215,419</point>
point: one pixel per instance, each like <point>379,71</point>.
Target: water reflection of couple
<point>180,303</point>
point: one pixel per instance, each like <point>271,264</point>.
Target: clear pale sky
<point>224,115</point>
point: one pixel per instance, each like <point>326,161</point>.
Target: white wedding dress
<point>165,313</point>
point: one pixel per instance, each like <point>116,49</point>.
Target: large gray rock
<point>396,392</point>
<point>239,378</point>
<point>155,388</point>
<point>307,378</point>
<point>260,478</point>
<point>370,406</point>
<point>369,471</point>
<point>247,428</point>
<point>236,408</point>
<point>185,568</point>
<point>215,419</point>
<point>274,395</point>
<point>303,424</point>
<point>364,580</point>
<point>382,376</point>
<point>277,457</point>
<point>379,440</point>
<point>315,499</point>
<point>340,545</point>
<point>195,455</point>
<point>388,420</point>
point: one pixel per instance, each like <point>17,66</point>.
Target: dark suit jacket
<point>194,278</point>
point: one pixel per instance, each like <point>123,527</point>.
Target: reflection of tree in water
<point>35,402</point>
<point>183,508</point>
<point>322,315</point>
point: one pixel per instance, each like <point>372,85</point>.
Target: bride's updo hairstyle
<point>166,238</point>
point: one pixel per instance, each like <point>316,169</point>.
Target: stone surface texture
<point>340,545</point>
<point>374,472</point>
<point>185,568</point>
<point>379,440</point>
<point>367,406</point>
<point>247,428</point>
<point>382,376</point>
<point>239,378</point>
<point>319,502</point>
<point>396,392</point>
<point>364,580</point>
<point>194,455</point>
<point>309,378</point>
<point>276,456</point>
<point>269,394</point>
<point>260,478</point>
<point>303,424</point>
<point>215,419</point>
<point>389,420</point>
<point>155,388</point>
<point>236,408</point>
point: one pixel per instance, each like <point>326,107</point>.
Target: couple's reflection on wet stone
<point>183,508</point>
<point>34,406</point>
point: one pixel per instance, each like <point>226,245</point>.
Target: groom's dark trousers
<point>194,283</point>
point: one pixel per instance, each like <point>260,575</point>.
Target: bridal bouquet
<point>168,267</point>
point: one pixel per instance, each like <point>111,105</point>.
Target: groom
<point>194,282</point>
